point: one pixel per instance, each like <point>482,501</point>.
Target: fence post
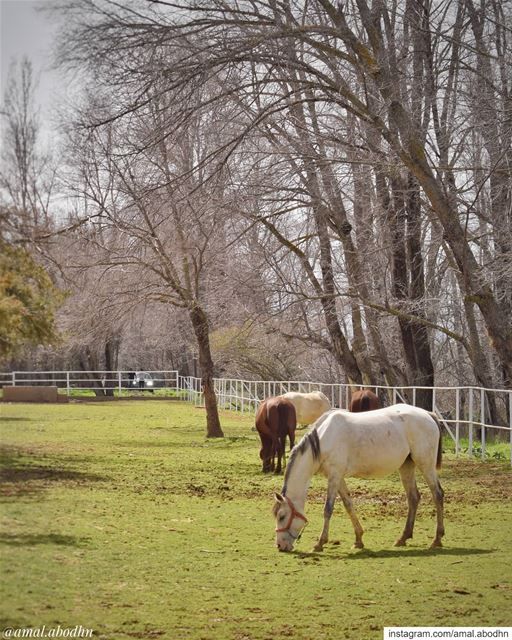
<point>470,434</point>
<point>120,383</point>
<point>482,420</point>
<point>68,386</point>
<point>13,376</point>
<point>457,418</point>
<point>510,422</point>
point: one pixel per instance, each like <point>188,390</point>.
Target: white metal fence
<point>114,383</point>
<point>470,415</point>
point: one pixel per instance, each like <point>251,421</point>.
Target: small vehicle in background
<point>142,380</point>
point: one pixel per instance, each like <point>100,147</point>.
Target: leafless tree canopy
<point>322,188</point>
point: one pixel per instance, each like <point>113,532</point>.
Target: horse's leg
<point>273,427</point>
<point>263,460</point>
<point>266,452</point>
<point>408,476</point>
<point>291,435</point>
<point>279,452</point>
<point>283,449</point>
<point>290,432</point>
<point>291,425</point>
<point>347,502</point>
<point>432,480</point>
<point>274,450</point>
<point>263,452</point>
<point>332,491</point>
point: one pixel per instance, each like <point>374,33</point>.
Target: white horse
<point>308,406</point>
<point>361,445</point>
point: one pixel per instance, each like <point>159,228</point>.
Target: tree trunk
<point>402,214</point>
<point>424,372</point>
<point>202,333</point>
<point>341,348</point>
<point>89,362</point>
<point>360,268</point>
<point>112,344</point>
<point>496,132</point>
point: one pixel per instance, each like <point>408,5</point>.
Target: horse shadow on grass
<point>368,554</point>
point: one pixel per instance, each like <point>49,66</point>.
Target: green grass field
<point>123,518</point>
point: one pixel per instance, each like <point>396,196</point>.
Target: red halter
<point>293,514</point>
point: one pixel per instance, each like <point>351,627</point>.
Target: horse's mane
<point>309,441</point>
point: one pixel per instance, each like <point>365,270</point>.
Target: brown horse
<point>275,419</point>
<point>364,400</point>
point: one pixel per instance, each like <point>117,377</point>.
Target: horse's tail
<point>440,441</point>
<point>287,423</point>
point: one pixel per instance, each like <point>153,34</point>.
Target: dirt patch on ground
<point>474,481</point>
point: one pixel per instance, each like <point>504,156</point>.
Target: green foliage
<point>28,301</point>
<point>495,450</point>
<point>124,518</point>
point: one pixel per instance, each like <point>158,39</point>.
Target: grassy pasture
<point>123,518</point>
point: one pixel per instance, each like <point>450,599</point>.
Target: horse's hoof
<point>437,544</point>
<point>400,543</point>
<point>318,547</point>
<point>358,545</point>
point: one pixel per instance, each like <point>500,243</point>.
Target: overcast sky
<point>26,31</point>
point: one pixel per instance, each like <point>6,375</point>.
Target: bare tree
<point>26,172</point>
<point>156,231</point>
<point>321,86</point>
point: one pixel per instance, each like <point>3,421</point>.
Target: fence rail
<point>100,382</point>
<point>467,413</point>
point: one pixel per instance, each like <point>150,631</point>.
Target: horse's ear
<point>279,497</point>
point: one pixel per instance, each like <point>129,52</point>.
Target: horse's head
<point>289,522</point>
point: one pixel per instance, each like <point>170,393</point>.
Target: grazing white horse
<point>308,406</point>
<point>361,445</point>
